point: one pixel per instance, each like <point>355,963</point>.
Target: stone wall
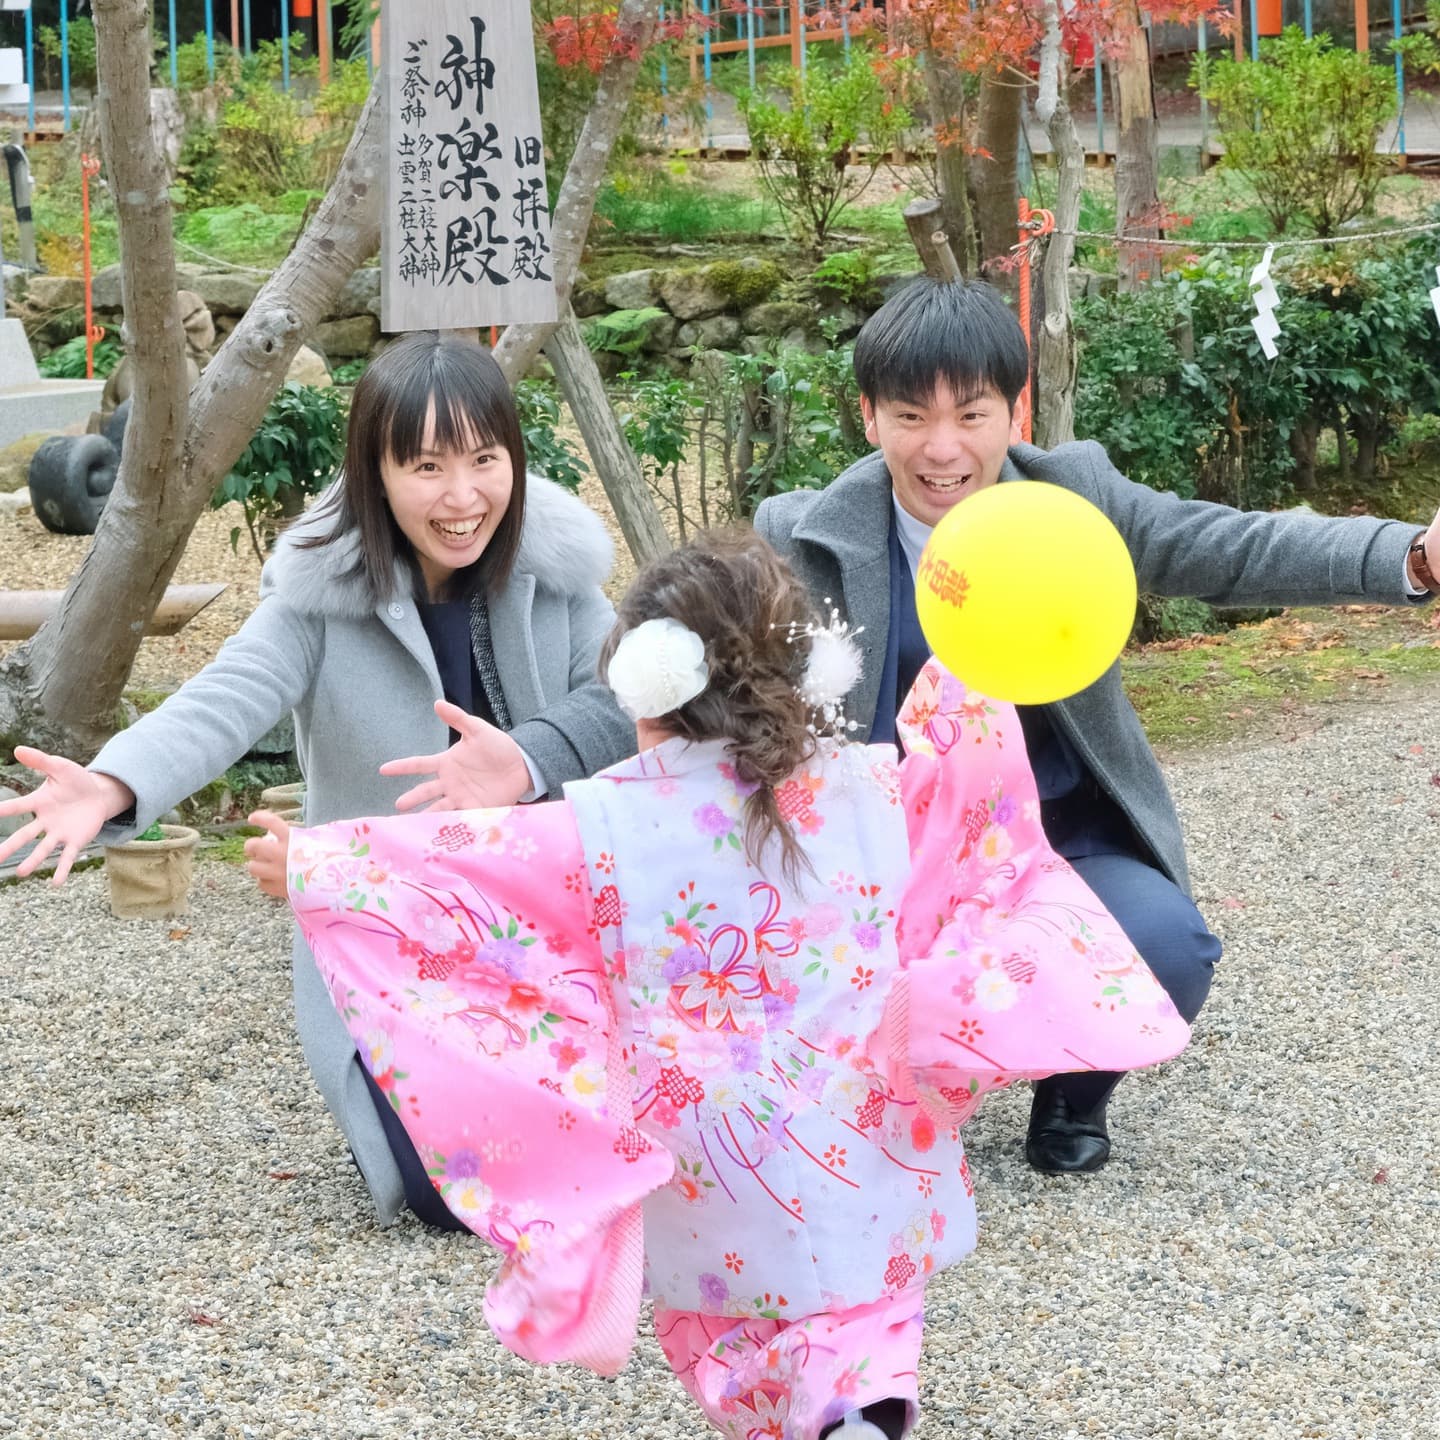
<point>741,305</point>
<point>52,307</point>
<point>665,313</point>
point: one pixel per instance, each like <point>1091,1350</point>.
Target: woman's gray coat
<point>361,681</point>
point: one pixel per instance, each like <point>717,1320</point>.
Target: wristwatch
<point>1424,575</point>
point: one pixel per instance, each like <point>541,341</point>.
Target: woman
<point>434,571</point>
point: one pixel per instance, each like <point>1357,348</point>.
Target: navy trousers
<point>420,1195</point>
<point>1168,931</point>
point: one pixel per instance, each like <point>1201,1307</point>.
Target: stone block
<point>691,294</point>
<point>349,339</point>
<point>719,332</point>
<point>49,405</point>
<point>17,362</point>
<point>105,289</point>
<point>775,317</point>
<point>660,334</point>
<point>361,295</point>
<point>309,368</point>
<point>588,300</point>
<point>226,292</point>
<point>54,292</point>
<point>15,462</point>
<point>634,290</point>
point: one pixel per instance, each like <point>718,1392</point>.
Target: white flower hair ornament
<point>656,668</point>
<point>832,669</point>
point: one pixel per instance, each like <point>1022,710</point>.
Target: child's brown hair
<point>749,610</point>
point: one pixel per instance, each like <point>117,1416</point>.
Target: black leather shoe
<point>1063,1141</point>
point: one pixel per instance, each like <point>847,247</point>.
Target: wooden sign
<point>466,240</point>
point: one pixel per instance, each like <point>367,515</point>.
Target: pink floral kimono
<point>632,1061</point>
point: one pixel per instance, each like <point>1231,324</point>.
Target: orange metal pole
<point>1362,24</point>
<point>89,168</point>
<point>1024,228</point>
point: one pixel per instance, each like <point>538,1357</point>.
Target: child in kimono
<point>710,1025</point>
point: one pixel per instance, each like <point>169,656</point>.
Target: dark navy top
<point>447,626</point>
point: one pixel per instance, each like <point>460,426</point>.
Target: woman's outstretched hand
<point>69,808</point>
<point>484,767</point>
<point>266,855</point>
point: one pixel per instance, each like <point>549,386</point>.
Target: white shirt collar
<point>913,535</point>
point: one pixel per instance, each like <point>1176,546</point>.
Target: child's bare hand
<point>265,855</point>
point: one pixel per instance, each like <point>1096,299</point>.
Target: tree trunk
<point>1368,430</point>
<point>615,461</point>
<point>945,92</point>
<point>62,690</point>
<point>995,173</point>
<point>575,204</point>
<point>1137,154</point>
<point>1055,371</point>
<point>1304,441</point>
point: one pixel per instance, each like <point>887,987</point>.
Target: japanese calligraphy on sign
<point>467,225</point>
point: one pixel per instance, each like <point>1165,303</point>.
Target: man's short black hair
<point>958,331</point>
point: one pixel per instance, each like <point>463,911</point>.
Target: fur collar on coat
<point>563,544</point>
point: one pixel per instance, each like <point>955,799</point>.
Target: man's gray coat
<point>837,541</point>
<point>361,681</point>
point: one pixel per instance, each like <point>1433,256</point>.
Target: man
<point>940,367</point>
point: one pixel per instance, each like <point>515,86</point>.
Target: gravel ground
<point>185,1248</point>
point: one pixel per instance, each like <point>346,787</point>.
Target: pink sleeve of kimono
<point>1012,968</point>
<point>459,950</point>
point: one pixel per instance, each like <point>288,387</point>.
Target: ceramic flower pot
<point>150,879</point>
<point>286,801</point>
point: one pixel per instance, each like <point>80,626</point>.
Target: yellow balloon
<point>1026,592</point>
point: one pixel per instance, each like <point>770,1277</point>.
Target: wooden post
<point>614,460</point>
<point>235,25</point>
<point>322,39</point>
<point>1026,395</point>
<point>797,35</point>
<point>1240,27</point>
<point>23,612</point>
<point>1362,24</point>
<point>923,221</point>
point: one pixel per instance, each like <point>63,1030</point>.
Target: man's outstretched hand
<point>483,768</point>
<point>69,808</point>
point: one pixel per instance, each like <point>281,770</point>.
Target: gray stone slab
<point>45,405</point>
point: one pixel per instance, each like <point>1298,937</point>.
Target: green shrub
<point>546,451</point>
<point>804,148</point>
<point>850,274</point>
<point>1173,383</point>
<point>238,232</point>
<point>1300,124</point>
<point>656,418</point>
<point>294,454</point>
<point>349,372</point>
<point>623,332</point>
<point>67,361</point>
<point>80,40</point>
<point>647,200</point>
<point>262,143</point>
